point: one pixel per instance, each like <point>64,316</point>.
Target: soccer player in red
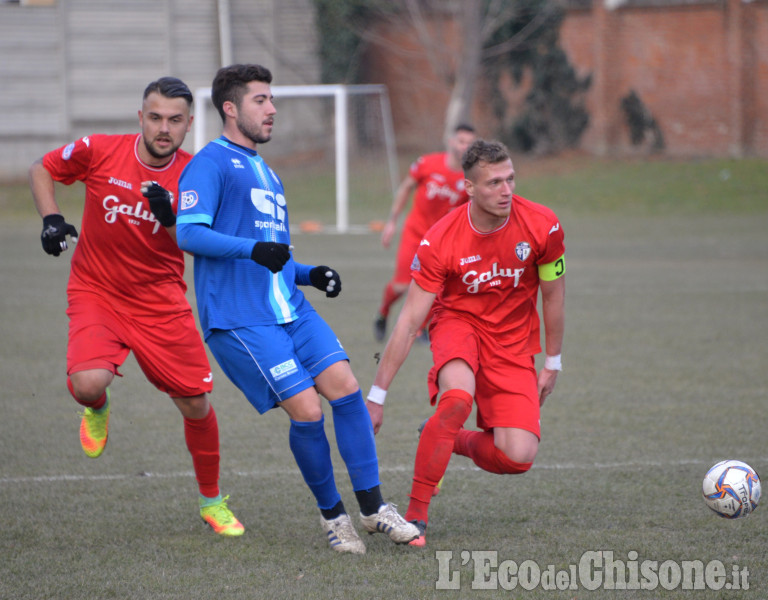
<point>437,184</point>
<point>483,266</point>
<point>126,290</point>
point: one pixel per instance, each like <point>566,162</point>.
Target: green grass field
<point>664,374</point>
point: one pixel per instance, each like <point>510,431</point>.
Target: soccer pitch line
<point>627,465</point>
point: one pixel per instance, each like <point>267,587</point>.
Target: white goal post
<point>340,94</point>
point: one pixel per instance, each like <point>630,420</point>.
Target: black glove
<point>55,232</point>
<point>271,255</point>
<point>327,280</point>
<point>160,203</point>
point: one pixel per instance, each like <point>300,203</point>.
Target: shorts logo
<point>188,199</point>
<point>209,378</point>
<point>282,370</point>
<point>523,250</point>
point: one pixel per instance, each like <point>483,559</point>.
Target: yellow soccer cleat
<point>94,429</point>
<point>221,519</point>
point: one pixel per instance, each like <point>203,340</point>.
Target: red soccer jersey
<point>491,279</point>
<point>438,191</point>
<point>123,254</point>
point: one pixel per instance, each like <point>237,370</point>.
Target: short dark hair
<point>230,84</point>
<point>464,127</point>
<point>482,151</point>
<point>170,87</point>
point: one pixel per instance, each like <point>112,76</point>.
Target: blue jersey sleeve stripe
<point>196,218</point>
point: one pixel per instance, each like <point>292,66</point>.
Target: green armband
<point>553,270</point>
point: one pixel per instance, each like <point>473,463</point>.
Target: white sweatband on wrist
<point>377,395</point>
<point>553,363</point>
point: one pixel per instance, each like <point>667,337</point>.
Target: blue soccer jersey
<point>239,200</point>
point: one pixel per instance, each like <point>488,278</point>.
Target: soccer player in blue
<point>266,336</point>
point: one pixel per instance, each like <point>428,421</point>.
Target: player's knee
<point>337,381</point>
<point>87,388</point>
<point>455,406</point>
<point>304,407</point>
<point>195,407</point>
<point>513,465</point>
<point>516,458</point>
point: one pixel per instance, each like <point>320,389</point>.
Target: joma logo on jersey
<point>121,183</point>
<point>135,214</point>
<point>468,260</point>
<point>473,279</point>
<point>283,369</point>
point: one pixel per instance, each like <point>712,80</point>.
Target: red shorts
<point>506,386</point>
<point>168,348</point>
<point>409,244</point>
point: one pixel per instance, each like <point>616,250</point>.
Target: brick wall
<point>699,66</point>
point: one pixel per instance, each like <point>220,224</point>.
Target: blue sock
<point>205,501</point>
<point>354,437</point>
<point>313,455</point>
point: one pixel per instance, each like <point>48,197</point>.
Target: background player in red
<point>126,290</point>
<point>438,183</point>
<point>482,266</point>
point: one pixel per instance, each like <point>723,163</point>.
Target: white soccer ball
<point>731,488</point>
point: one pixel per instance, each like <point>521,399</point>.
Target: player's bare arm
<point>553,315</point>
<point>418,302</point>
<point>55,228</point>
<point>42,186</point>
<point>404,192</point>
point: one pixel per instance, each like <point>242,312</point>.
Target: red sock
<point>94,405</point>
<point>479,446</point>
<point>202,436</point>
<point>435,449</point>
<point>389,298</point>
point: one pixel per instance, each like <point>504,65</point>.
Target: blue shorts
<point>271,363</point>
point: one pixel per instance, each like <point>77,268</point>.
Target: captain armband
<point>553,270</point>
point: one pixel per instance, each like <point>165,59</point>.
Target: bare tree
<point>480,21</point>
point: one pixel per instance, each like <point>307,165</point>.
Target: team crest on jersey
<point>523,250</point>
<point>188,199</point>
<point>67,152</point>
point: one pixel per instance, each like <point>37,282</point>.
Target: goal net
<point>345,130</point>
